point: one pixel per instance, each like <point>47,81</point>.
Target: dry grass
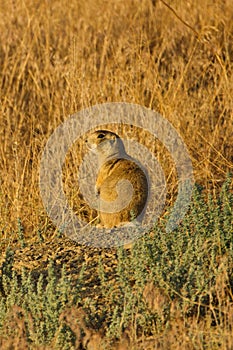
<point>181,333</point>
<point>59,57</point>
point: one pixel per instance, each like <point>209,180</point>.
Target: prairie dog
<point>121,184</point>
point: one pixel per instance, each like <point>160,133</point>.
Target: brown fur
<point>115,166</point>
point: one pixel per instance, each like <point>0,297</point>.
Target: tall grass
<point>57,58</point>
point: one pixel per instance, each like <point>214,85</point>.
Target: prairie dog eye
<point>100,136</point>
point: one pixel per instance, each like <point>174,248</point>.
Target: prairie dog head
<point>106,144</point>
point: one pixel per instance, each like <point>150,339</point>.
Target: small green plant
<point>185,274</point>
<point>21,234</point>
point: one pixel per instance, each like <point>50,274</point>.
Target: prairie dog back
<point>121,184</point>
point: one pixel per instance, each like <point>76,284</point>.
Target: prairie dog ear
<point>114,139</point>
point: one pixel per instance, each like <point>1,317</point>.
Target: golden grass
<point>59,57</point>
